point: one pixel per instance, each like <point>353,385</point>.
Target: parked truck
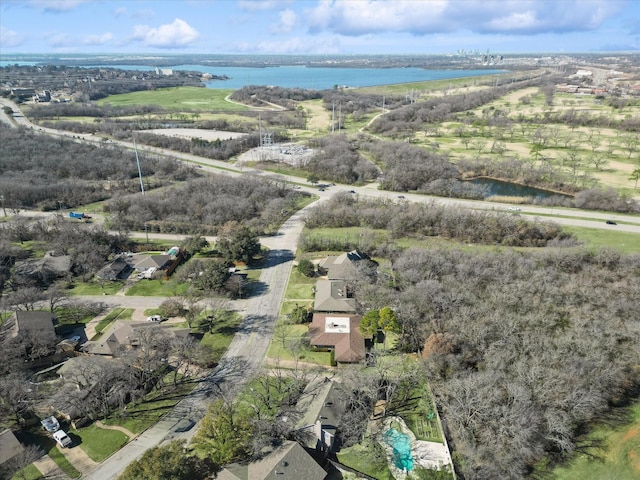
<point>79,215</point>
<point>62,438</point>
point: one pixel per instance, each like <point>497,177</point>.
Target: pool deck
<point>432,455</point>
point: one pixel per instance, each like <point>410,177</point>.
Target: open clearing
<point>188,133</point>
<point>179,98</point>
<point>618,458</point>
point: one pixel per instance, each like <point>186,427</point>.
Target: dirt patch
<point>189,133</point>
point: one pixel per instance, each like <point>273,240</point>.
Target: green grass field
<point>99,443</point>
<point>624,242</point>
<point>157,288</point>
<point>220,336</point>
<point>30,472</point>
<point>137,418</point>
<point>179,98</point>
<point>617,459</point>
<point>112,316</point>
<point>95,288</point>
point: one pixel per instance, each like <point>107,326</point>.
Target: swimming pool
<point>401,444</point>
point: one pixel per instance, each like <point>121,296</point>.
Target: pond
<point>401,444</point>
<point>508,189</point>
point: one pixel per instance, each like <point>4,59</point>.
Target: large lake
<point>309,78</point>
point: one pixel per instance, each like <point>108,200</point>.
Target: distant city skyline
<point>318,26</point>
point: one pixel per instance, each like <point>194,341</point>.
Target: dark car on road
<point>611,222</point>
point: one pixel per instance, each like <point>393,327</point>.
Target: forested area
<point>286,97</point>
<point>49,173</point>
<point>419,220</point>
<point>337,159</point>
<point>88,248</point>
<point>522,350</point>
<point>205,205</point>
<point>412,117</point>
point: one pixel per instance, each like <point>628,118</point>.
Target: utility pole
<point>139,170</point>
<point>333,117</point>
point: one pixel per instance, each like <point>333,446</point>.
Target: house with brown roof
<point>340,332</point>
<point>288,461</point>
<point>334,296</point>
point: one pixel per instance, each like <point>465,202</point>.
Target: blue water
<point>498,187</point>
<point>401,444</point>
<point>303,77</point>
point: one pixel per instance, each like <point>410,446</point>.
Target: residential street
<point>244,356</point>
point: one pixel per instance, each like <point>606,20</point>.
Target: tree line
<point>523,350</point>
<point>206,205</point>
<point>53,173</point>
<point>428,219</point>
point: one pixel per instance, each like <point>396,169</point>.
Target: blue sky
<point>318,26</point>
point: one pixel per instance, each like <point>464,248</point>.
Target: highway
<point>561,216</point>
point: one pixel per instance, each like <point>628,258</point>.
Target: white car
<point>515,209</point>
<point>154,318</point>
<point>62,438</point>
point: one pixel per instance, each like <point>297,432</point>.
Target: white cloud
<point>178,34</point>
<point>360,17</point>
<point>144,13</point>
<point>120,11</point>
<point>99,39</point>
<point>56,5</point>
<point>10,38</point>
<point>59,40</point>
<point>293,45</point>
<point>260,5</point>
<point>288,20</point>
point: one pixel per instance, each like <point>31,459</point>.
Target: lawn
<point>299,287</point>
<point>30,472</point>
<point>138,417</point>
<point>115,314</point>
<point>95,288</point>
<point>625,242</point>
<point>99,443</point>
<point>367,457</point>
<point>178,98</point>
<point>286,335</point>
<point>618,458</point>
<point>157,288</point>
<point>57,456</point>
<point>220,336</point>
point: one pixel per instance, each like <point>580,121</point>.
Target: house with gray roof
<point>288,461</point>
<point>124,336</point>
<point>9,446</point>
<point>152,261</point>
<point>36,324</point>
<point>320,416</point>
<point>44,270</point>
<point>344,266</point>
<point>334,296</point>
<point>118,269</point>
